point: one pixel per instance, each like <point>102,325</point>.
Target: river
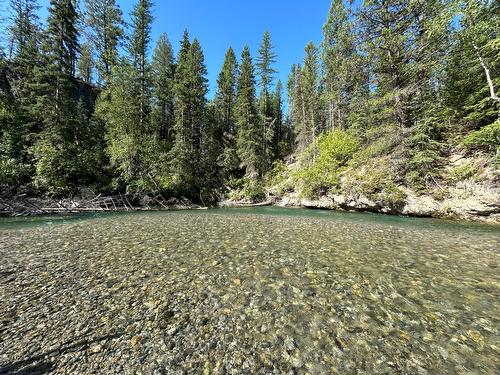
<point>260,290</point>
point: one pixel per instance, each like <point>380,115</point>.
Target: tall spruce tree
<point>190,90</point>
<point>225,101</point>
<point>249,142</point>
<point>341,65</point>
<point>265,60</point>
<point>385,29</point>
<point>280,147</point>
<point>308,92</point>
<point>118,108</point>
<point>105,25</point>
<point>24,26</point>
<point>138,50</point>
<point>163,70</point>
<point>58,145</point>
<point>85,65</point>
<point>24,36</point>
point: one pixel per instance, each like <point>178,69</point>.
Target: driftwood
<point>21,205</point>
<point>241,204</point>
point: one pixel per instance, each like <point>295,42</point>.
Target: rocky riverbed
<point>238,293</point>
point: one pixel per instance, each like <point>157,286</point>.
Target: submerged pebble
<point>211,293</point>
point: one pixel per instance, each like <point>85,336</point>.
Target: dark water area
<point>259,290</point>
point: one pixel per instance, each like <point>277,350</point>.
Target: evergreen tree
<point>265,60</point>
<point>163,70</point>
<point>308,97</point>
<point>85,64</point>
<point>295,108</point>
<point>190,90</point>
<point>118,108</point>
<point>138,50</point>
<point>249,142</point>
<point>19,123</point>
<point>280,146</point>
<point>212,147</point>
<point>105,23</point>
<point>60,143</point>
<point>341,65</point>
<point>225,101</point>
<point>24,26</point>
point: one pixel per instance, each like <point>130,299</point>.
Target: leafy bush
<point>323,161</point>
<point>464,172</point>
<point>487,137</point>
<point>248,188</point>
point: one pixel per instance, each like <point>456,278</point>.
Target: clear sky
<point>219,24</point>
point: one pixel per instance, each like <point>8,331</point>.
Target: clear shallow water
<point>264,290</point>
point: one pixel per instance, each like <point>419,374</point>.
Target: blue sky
<point>219,24</point>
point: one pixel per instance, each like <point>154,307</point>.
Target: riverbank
<point>465,187</point>
<point>21,205</point>
<point>477,209</point>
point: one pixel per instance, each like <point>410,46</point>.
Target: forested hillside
<point>398,105</point>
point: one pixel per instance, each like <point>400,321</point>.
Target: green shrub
<point>322,162</point>
<point>426,146</point>
<point>247,188</point>
<point>464,172</point>
<point>487,137</point>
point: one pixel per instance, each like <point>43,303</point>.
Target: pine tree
<point>308,97</point>
<point>190,90</point>
<point>385,27</point>
<point>212,147</point>
<point>249,142</point>
<point>138,50</point>
<point>24,26</point>
<point>404,41</point>
<point>280,146</point>
<point>293,89</point>
<point>85,64</point>
<point>225,101</point>
<point>265,60</point>
<point>341,65</point>
<point>58,144</point>
<point>226,91</point>
<point>105,23</point>
<point>163,70</point>
<point>20,124</point>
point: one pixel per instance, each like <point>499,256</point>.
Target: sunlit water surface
<point>261,290</point>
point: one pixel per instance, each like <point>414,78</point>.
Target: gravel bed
<point>203,293</point>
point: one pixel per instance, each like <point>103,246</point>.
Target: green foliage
<point>249,141</point>
<point>487,138</point>
<point>163,70</point>
<point>225,102</point>
<point>278,179</point>
<point>426,147</point>
<point>105,31</point>
<point>190,114</point>
<point>464,172</point>
<point>323,161</point>
<point>247,188</point>
<point>366,109</point>
<point>378,141</point>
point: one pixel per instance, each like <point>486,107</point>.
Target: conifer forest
<point>155,212</point>
<point>400,99</point>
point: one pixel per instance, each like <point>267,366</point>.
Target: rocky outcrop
<point>475,207</point>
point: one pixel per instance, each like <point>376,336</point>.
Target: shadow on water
<point>38,364</point>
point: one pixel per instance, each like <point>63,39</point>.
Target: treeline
<point>84,104</point>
